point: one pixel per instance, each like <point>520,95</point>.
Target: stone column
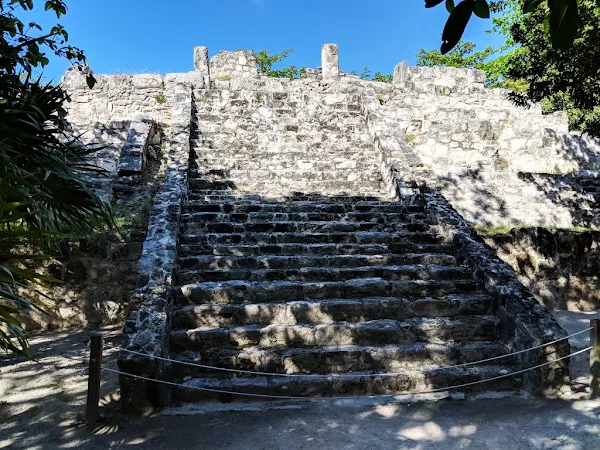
<point>201,64</point>
<point>330,61</point>
<point>401,73</point>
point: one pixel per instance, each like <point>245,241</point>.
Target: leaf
<point>482,9</point>
<point>91,81</point>
<point>546,25</point>
<point>14,217</point>
<point>564,18</point>
<point>432,3</point>
<point>455,26</point>
<point>531,5</point>
<point>450,5</point>
<point>5,207</point>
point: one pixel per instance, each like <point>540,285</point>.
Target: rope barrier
<point>290,397</point>
<point>387,374</point>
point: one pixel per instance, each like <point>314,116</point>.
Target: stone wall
<point>98,273</point>
<point>561,268</point>
<point>228,65</point>
<point>455,123</point>
<point>412,104</point>
<point>525,323</point>
<point>115,98</point>
<point>148,324</point>
<point>485,155</point>
<point>453,135</point>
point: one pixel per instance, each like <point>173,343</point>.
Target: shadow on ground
<point>42,406</point>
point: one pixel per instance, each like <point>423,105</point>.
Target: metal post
<point>93,393</point>
<point>595,359</point>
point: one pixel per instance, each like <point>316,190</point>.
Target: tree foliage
<point>465,55</point>
<point>367,75</point>
<point>561,80</point>
<point>265,63</point>
<point>462,56</point>
<point>532,65</point>
<point>43,195</point>
<point>561,17</point>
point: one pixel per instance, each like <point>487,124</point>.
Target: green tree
<point>43,195</point>
<point>367,75</point>
<point>464,55</point>
<point>561,80</point>
<point>561,17</point>
<point>265,63</point>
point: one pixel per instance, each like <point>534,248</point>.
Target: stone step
<point>285,187</point>
<point>238,291</point>
<point>212,262</point>
<point>373,332</point>
<point>394,240</point>
<point>207,163</point>
<point>312,249</point>
<point>395,273</point>
<point>300,227</point>
<point>355,383</point>
<point>249,104</point>
<point>340,359</point>
<point>330,310</point>
<point>217,126</point>
<point>299,116</point>
<point>277,217</point>
<point>210,135</point>
<point>301,97</point>
<point>291,207</point>
<point>216,196</point>
<point>246,120</point>
<point>304,175</point>
<point>289,154</point>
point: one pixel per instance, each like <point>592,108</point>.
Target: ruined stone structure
<point>321,228</point>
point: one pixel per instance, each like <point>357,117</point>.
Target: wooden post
<point>93,393</point>
<point>595,359</point>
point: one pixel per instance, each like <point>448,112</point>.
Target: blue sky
<point>135,36</point>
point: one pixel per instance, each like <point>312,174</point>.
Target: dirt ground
<point>42,405</point>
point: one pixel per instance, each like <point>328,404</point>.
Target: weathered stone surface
<point>225,66</point>
<point>401,73</point>
<point>525,322</point>
<point>133,154</point>
<point>202,64</point>
<point>559,267</point>
<point>282,234</point>
<point>330,61</point>
<point>147,328</point>
<point>116,98</point>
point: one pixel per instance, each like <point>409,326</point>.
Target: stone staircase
<point>294,260</point>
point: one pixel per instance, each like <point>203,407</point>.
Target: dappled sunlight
<point>49,394</point>
<point>429,431</point>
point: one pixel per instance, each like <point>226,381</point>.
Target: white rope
<point>289,397</point>
<point>387,374</point>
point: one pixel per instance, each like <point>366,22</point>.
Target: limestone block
<point>427,72</point>
<point>229,65</point>
<point>146,81</point>
<point>132,159</point>
<point>75,77</point>
<point>401,73</point>
<point>195,79</point>
<point>330,62</point>
<point>201,63</point>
